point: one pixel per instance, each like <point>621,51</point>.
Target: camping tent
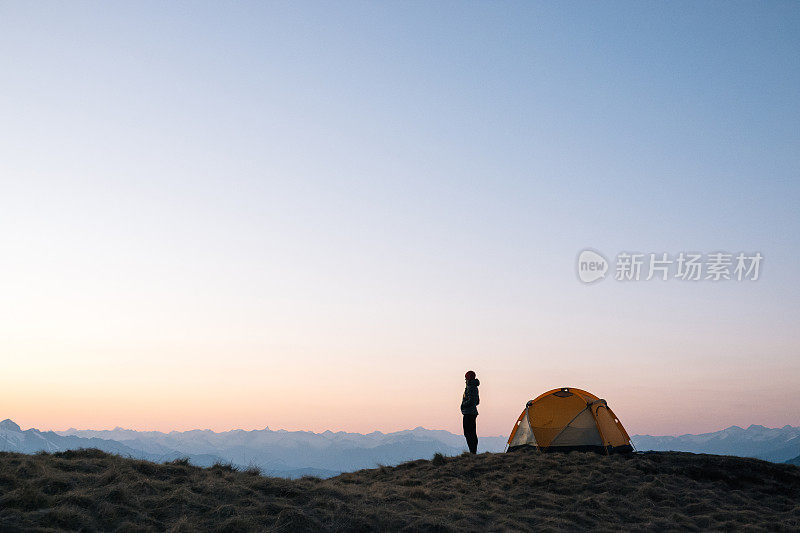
<point>568,419</point>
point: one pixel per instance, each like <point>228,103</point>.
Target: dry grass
<point>89,490</point>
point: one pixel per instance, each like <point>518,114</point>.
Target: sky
<point>319,215</point>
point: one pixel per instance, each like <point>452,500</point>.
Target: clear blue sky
<point>338,203</point>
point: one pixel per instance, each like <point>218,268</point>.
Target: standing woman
<point>469,408</point>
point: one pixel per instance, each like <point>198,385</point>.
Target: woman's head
<point>469,375</point>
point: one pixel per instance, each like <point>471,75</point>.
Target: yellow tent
<point>568,419</point>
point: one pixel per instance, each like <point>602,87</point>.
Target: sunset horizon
<point>320,216</point>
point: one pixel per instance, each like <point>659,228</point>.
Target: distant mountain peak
<point>772,444</point>
<point>10,425</point>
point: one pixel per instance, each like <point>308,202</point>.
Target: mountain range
<point>294,454</point>
<point>279,453</point>
<point>771,444</point>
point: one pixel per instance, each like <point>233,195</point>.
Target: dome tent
<point>569,419</point>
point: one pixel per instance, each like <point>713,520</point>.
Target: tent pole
<point>596,423</point>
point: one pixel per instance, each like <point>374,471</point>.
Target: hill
<point>92,490</point>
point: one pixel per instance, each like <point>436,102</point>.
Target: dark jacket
<point>470,400</point>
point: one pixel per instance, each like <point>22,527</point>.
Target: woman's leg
<point>470,432</point>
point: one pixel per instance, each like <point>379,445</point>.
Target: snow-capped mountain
<point>295,453</point>
<point>13,439</point>
<point>281,452</point>
<point>771,444</point>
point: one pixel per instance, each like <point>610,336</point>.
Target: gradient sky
<point>320,215</point>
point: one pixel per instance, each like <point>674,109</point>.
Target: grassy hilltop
<point>90,490</point>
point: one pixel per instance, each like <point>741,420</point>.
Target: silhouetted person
<point>469,408</point>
